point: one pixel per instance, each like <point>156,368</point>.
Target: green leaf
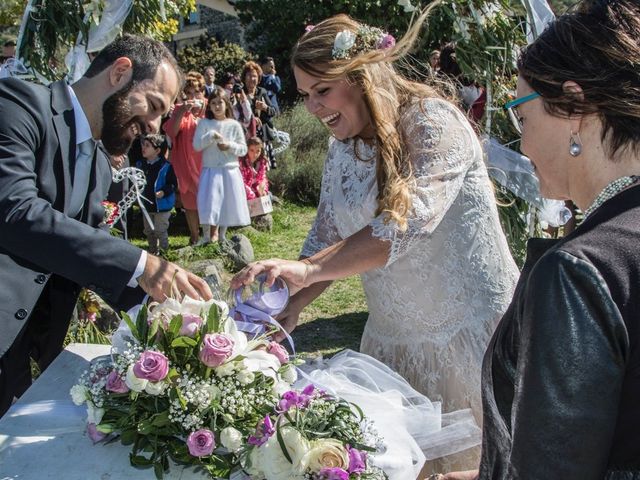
<point>285,452</point>
<point>184,342</point>
<point>127,319</point>
<point>158,470</point>
<point>154,328</point>
<point>213,319</point>
<point>175,324</point>
<point>142,325</point>
<point>139,461</point>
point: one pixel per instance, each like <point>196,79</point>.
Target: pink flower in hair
<point>308,28</point>
<point>387,41</point>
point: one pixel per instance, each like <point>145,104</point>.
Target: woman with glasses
<point>561,376</point>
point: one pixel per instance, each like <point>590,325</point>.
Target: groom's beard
<point>117,135</point>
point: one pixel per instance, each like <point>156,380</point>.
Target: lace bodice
<point>452,265</point>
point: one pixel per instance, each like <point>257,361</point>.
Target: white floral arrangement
<point>186,385</point>
<point>347,44</point>
<point>314,436</point>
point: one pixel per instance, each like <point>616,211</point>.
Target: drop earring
<point>575,144</point>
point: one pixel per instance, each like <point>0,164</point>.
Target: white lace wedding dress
<point>449,277</point>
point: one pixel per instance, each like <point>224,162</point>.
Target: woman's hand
<point>467,475</point>
<point>297,274</point>
<point>288,319</point>
<point>260,105</point>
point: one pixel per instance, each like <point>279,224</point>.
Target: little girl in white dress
<point>221,198</point>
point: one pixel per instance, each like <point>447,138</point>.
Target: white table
<point>41,446</point>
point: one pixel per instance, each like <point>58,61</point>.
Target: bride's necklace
<point>611,191</point>
<point>357,154</point>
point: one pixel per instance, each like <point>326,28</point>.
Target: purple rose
<point>115,383</point>
<point>387,41</point>
<point>201,443</point>
<point>94,434</point>
<point>152,366</point>
<point>264,431</point>
<point>279,352</point>
<point>190,325</point>
<point>216,348</point>
<point>357,460</point>
<point>333,473</point>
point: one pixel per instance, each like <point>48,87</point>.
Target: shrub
<point>299,173</point>
<point>228,57</point>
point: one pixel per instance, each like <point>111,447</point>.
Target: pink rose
<point>94,434</point>
<point>152,366</point>
<point>190,325</point>
<point>308,28</point>
<point>357,460</point>
<point>333,473</point>
<point>115,383</point>
<point>201,443</point>
<point>279,351</point>
<point>216,348</point>
<point>387,41</point>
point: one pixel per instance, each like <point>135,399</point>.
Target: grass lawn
<point>335,320</point>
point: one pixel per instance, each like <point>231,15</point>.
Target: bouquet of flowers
<point>186,385</point>
<point>313,436</point>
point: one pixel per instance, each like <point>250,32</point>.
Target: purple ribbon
<point>254,314</point>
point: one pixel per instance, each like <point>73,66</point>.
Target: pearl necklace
<point>611,191</point>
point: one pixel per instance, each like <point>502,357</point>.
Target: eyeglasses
<point>511,108</point>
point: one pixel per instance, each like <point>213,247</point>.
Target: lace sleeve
<point>323,233</point>
<point>442,147</point>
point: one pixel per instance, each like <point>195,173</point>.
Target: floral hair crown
<point>348,44</point>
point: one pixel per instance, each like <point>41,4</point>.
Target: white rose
<point>281,387</point>
<point>231,439</point>
<point>343,42</point>
<point>326,453</point>
<point>289,373</point>
<point>134,383</point>
<point>154,388</point>
<point>245,377</point>
<point>226,369</point>
<point>94,414</point>
<point>252,462</point>
<point>79,394</point>
<point>273,462</point>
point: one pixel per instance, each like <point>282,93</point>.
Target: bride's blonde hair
<point>385,93</point>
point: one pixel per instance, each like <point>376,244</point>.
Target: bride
<point>406,203</point>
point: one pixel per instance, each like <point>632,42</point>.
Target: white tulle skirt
<point>221,198</point>
<point>413,427</point>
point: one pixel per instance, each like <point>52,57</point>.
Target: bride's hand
<point>288,319</point>
<point>297,274</point>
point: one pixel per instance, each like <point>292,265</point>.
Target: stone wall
<point>223,27</point>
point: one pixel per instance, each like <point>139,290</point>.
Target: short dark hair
<point>596,46</point>
<point>158,141</point>
<point>10,43</point>
<point>145,54</point>
<point>266,59</point>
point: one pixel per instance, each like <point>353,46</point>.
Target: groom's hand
<point>162,279</point>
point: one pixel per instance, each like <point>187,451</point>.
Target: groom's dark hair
<point>145,54</point>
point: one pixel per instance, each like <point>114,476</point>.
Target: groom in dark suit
<point>53,176</point>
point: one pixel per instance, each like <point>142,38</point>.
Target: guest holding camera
<point>187,162</point>
<point>240,105</point>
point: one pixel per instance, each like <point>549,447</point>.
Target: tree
<point>54,26</point>
<point>224,58</point>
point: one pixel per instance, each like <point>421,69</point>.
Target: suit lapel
<point>63,121</point>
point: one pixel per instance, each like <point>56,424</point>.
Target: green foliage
<point>53,28</point>
<point>299,171</point>
<point>225,58</point>
<point>10,17</point>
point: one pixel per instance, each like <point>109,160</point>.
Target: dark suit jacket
<point>41,248</point>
